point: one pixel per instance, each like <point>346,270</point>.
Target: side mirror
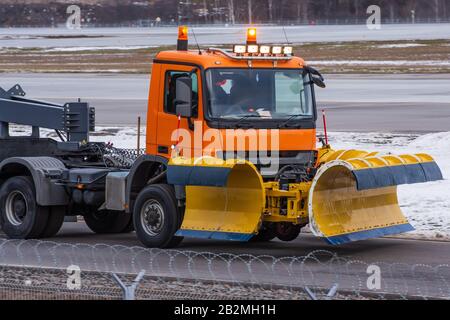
<point>183,99</point>
<point>318,82</point>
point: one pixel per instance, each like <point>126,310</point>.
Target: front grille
<point>273,161</point>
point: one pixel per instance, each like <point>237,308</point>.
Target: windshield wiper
<point>246,117</point>
<point>289,119</point>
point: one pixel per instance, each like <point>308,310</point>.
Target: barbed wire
<point>38,269</point>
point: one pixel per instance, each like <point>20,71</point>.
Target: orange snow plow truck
<point>231,155</point>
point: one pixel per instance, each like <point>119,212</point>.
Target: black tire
<point>130,227</point>
<point>20,215</point>
<point>287,231</point>
<point>265,234</point>
<point>156,217</point>
<point>55,221</point>
<point>106,221</point>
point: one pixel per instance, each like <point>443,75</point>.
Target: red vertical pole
<point>178,129</point>
<point>324,118</point>
<point>139,137</point>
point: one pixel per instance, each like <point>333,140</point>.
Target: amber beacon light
<point>251,36</point>
<point>182,43</point>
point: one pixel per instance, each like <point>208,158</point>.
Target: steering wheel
<point>242,108</point>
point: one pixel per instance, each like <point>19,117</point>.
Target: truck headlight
<point>240,49</point>
<point>264,49</point>
<point>253,48</point>
<point>277,50</point>
<point>288,50</point>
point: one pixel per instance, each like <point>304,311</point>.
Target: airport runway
<point>366,103</point>
<point>126,37</point>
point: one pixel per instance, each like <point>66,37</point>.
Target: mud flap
<point>355,199</point>
<point>224,199</point>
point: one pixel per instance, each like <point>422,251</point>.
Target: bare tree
<point>231,11</point>
<point>205,11</point>
<point>436,9</point>
<point>270,7</point>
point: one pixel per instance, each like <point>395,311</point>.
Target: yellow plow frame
<point>353,196</point>
<point>224,199</point>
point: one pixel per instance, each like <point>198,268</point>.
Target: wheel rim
<point>16,208</point>
<point>152,217</point>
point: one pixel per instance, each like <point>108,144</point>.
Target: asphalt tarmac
<point>366,103</point>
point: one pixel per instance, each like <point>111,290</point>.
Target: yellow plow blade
<point>356,198</point>
<point>224,199</point>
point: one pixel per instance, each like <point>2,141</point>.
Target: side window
<point>289,93</point>
<point>170,91</point>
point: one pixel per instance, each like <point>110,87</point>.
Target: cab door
<point>168,121</point>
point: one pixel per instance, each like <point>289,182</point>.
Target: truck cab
<point>270,95</point>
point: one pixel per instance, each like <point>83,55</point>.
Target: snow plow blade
<point>354,194</point>
<point>224,199</point>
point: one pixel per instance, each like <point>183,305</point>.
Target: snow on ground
<point>75,49</point>
<point>400,45</point>
<point>120,137</point>
<point>426,205</point>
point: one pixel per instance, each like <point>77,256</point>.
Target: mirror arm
<point>314,71</point>
<point>193,71</point>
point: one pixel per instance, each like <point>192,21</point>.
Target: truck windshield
<point>259,94</point>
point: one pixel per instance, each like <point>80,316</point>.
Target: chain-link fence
<point>48,270</point>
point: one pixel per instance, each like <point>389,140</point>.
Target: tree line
<point>306,11</point>
<point>53,12</point>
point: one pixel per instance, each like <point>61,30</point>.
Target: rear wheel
<point>156,217</point>
<point>54,222</point>
<point>107,221</point>
<point>20,215</point>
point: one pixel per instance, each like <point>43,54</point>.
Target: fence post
<point>129,292</point>
<point>331,293</point>
<point>311,294</point>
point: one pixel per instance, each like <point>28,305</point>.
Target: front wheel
<point>265,234</point>
<point>287,231</point>
<point>156,217</point>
